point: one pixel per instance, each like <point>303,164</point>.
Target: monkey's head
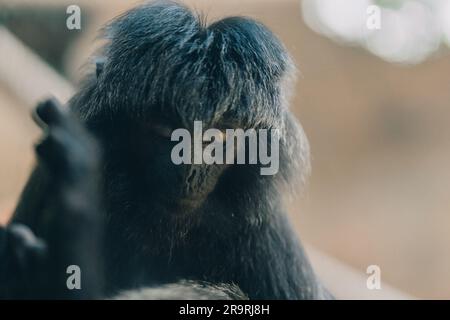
<point>163,69</point>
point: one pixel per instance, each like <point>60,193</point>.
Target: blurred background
<point>374,100</point>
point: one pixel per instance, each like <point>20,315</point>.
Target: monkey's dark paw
<point>67,149</point>
<point>24,247</point>
<point>22,255</point>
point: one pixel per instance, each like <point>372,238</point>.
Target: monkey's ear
<point>99,64</point>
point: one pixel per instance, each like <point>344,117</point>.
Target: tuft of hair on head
<point>233,68</point>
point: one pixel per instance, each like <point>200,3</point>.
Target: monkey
<point>107,195</point>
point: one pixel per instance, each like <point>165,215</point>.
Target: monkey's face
<point>170,64</point>
<point>180,187</point>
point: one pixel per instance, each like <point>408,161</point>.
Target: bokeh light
<point>410,30</point>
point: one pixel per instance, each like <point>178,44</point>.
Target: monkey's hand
<point>71,221</point>
<point>67,149</point>
<point>21,254</point>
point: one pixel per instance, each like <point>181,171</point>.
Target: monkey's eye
<point>162,130</point>
<point>222,136</point>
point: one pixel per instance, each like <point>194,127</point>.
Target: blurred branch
<point>27,75</point>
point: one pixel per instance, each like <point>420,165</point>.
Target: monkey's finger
<point>48,153</point>
<point>26,247</point>
<point>48,113</point>
<point>23,235</point>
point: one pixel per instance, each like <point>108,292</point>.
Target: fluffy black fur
<point>222,224</point>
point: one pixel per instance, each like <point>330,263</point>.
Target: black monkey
<point>155,223</point>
